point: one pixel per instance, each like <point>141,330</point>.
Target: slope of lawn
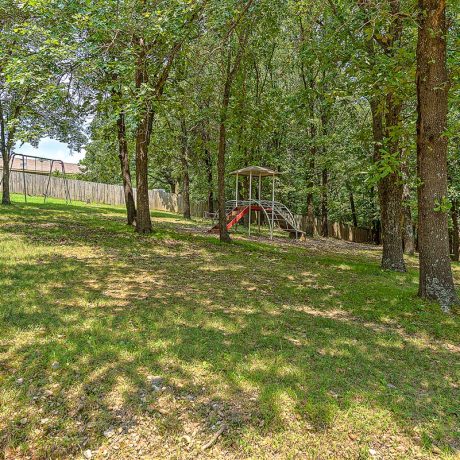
<point>115,345</point>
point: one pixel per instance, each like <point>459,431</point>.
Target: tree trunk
<point>324,203</point>
<point>390,196</point>
<point>143,220</point>
<point>455,230</point>
<point>436,281</point>
<point>6,199</point>
<point>309,84</point>
<point>169,179</point>
<point>390,193</point>
<point>223,232</point>
<point>324,176</point>
<point>376,231</point>
<point>205,138</point>
<point>125,171</point>
<point>6,160</point>
<point>230,75</point>
<point>408,228</point>
<point>390,187</point>
<point>310,226</point>
<point>208,163</point>
<point>185,171</point>
<point>375,222</point>
<point>407,223</point>
<point>354,217</point>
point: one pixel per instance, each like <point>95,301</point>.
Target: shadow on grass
<point>265,336</point>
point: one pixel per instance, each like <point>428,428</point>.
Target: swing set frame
<point>49,173</point>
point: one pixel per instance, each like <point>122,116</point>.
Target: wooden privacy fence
<point>95,192</point>
<point>339,230</point>
<point>159,200</point>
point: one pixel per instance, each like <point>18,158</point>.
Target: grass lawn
<point>115,345</point>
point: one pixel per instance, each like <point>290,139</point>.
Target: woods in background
<point>356,101</point>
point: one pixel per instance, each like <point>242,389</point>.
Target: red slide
<point>234,216</point>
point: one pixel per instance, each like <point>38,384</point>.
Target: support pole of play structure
<point>273,205</point>
<point>24,178</point>
<point>25,163</point>
<point>236,190</point>
<point>260,212</point>
<point>49,180</point>
<point>66,184</point>
<point>250,198</point>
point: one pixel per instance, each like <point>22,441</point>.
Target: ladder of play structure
<point>234,215</point>
<point>281,215</point>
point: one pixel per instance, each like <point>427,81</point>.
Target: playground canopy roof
<point>255,171</point>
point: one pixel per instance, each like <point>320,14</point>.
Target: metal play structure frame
<point>275,213</point>
<point>24,158</point>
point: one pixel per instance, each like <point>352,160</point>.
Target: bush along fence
<point>160,200</point>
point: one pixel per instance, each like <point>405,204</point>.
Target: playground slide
<point>233,217</point>
<point>281,218</point>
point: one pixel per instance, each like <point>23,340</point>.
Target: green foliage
<point>442,205</point>
<point>300,99</point>
<point>37,93</point>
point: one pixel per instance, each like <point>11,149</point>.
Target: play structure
<point>269,212</point>
<point>38,165</point>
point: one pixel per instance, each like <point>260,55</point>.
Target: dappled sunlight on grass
<point>298,352</point>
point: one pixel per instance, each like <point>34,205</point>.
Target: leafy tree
<point>38,97</point>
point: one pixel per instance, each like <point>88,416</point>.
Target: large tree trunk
<point>185,171</point>
<point>125,171</point>
<point>324,203</point>
<point>6,160</point>
<point>455,230</point>
<point>436,281</point>
<point>143,220</point>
